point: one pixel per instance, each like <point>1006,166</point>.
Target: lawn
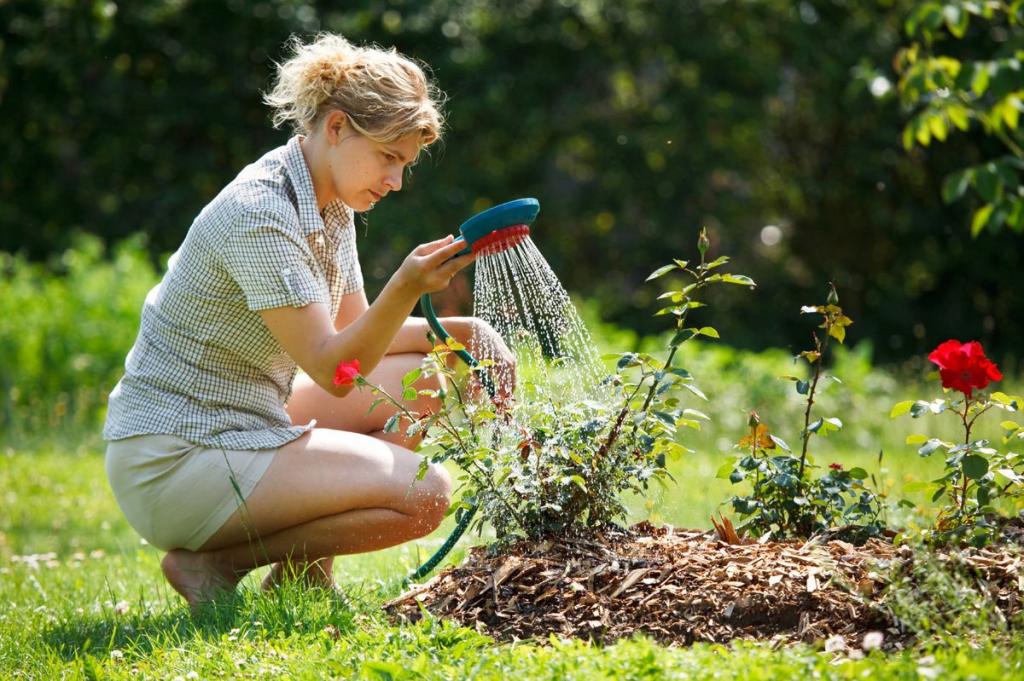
<point>83,597</point>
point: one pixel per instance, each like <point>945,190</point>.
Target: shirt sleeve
<point>348,261</point>
<point>272,264</point>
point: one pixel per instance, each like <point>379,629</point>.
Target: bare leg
<point>327,493</point>
<point>352,413</point>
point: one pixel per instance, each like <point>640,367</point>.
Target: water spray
<point>489,232</point>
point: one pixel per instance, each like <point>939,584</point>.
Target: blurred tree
<point>947,91</point>
<point>633,121</point>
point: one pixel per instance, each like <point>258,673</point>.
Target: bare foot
<point>316,574</point>
<point>196,576</point>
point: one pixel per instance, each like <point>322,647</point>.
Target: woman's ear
<point>336,126</point>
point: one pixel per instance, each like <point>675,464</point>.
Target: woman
<point>218,453</point>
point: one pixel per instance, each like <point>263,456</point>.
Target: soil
<point>680,587</point>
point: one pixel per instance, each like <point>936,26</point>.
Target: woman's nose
<point>394,181</point>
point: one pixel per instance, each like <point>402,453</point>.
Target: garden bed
<point>682,586</point>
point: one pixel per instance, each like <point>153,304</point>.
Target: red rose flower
<point>836,466</point>
<point>346,372</point>
<point>963,366</point>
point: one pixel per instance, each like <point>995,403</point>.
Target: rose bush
<point>553,464</point>
<point>786,499</point>
<point>976,475</point>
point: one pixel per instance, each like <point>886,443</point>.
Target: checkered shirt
<point>204,367</point>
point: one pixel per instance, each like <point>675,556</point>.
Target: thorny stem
<point>967,441</point>
<point>613,434</point>
<point>820,349</point>
<point>699,283</point>
<point>753,454</point>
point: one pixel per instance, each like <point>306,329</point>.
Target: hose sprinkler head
<point>500,240</point>
<point>500,227</point>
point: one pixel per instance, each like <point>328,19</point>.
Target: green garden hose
<point>490,231</point>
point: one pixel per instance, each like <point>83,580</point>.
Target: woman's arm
<point>309,336</point>
<point>412,337</point>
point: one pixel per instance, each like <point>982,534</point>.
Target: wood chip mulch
<point>681,586</point>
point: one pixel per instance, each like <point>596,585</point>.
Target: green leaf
<point>815,426</point>
<point>695,390</point>
<point>391,425</point>
<point>725,470</point>
<point>908,136</point>
<point>956,184</point>
<point>738,279</point>
<point>682,373</point>
<point>929,447</point>
<point>409,394</point>
<point>1002,398</point>
<point>975,467</point>
<point>901,408</point>
<point>717,262</point>
<point>627,360</point>
<point>937,126</point>
<point>956,20</point>
<point>661,271</point>
<point>1010,475</point>
<point>916,439</point>
<point>708,331</point>
<point>780,442</point>
<point>980,219</point>
<point>579,481</point>
<point>959,115</point>
<point>376,403</point>
<point>858,473</point>
<point>681,336</point>
<point>987,182</point>
<point>411,377</point>
<point>803,387</point>
<point>980,79</point>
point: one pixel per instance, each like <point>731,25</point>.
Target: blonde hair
<point>385,94</point>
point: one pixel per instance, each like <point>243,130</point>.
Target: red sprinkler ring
<point>501,239</point>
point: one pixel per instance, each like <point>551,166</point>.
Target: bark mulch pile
<point>682,586</point>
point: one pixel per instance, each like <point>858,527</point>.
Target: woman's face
<point>363,171</point>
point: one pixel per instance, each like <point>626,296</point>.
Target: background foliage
<point>776,123</point>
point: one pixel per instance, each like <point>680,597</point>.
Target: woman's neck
<point>314,151</point>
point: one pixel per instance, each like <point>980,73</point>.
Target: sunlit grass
<point>81,596</point>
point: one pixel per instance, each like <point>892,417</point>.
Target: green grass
<point>82,597</point>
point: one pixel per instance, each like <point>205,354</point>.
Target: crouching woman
<point>219,452</point>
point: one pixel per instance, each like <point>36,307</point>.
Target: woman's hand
<point>503,372</point>
<point>431,266</point>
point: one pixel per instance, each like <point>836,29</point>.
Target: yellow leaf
<point>764,440</point>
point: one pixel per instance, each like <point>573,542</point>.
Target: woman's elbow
<point>338,390</point>
<point>326,382</point>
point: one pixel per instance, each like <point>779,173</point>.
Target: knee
<point>435,497</point>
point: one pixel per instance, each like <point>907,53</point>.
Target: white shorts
<point>177,494</point>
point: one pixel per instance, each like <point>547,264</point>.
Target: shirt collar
<point>309,215</point>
